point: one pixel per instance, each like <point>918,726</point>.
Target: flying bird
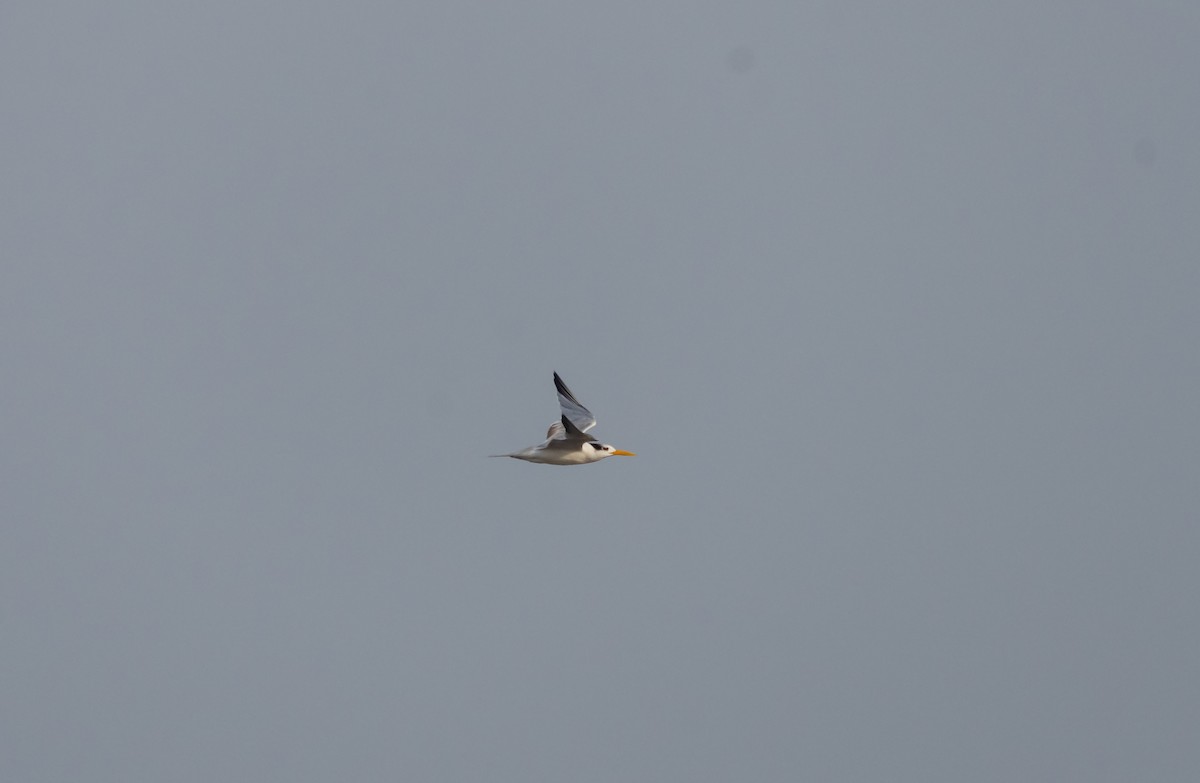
<point>567,441</point>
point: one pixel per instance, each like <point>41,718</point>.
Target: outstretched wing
<point>556,431</point>
<point>574,414</point>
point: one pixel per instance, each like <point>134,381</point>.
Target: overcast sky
<point>896,302</point>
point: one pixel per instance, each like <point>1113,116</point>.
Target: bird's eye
<point>598,446</point>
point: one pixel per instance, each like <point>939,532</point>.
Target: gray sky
<point>897,304</point>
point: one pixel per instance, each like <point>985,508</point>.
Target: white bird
<point>567,441</point>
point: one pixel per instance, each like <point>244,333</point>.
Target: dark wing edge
<point>564,391</point>
<point>576,418</point>
<point>572,430</point>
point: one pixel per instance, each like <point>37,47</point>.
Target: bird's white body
<point>546,454</point>
<point>566,441</point>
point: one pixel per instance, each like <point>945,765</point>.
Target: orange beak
<point>620,453</point>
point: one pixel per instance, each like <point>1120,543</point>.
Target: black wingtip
<point>571,428</point>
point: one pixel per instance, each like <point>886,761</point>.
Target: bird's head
<point>602,450</point>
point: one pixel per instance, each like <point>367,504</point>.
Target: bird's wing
<point>556,431</point>
<point>574,415</point>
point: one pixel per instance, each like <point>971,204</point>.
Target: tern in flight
<point>567,442</point>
